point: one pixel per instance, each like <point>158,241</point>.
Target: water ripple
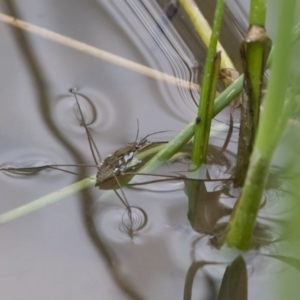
<point>97,109</point>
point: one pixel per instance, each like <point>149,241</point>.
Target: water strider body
<point>118,161</point>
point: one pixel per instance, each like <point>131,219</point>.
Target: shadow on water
<point>87,202</point>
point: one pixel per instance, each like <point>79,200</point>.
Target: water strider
<point>117,162</point>
<point>113,165</point>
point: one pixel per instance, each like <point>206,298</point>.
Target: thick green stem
<point>241,225</point>
<point>254,52</point>
<point>258,12</point>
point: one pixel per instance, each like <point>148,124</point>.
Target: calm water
<point>75,248</point>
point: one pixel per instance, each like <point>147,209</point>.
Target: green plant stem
<point>46,200</point>
<point>255,57</point>
<point>170,149</point>
<point>255,49</point>
<point>241,225</point>
<point>201,129</point>
<point>257,12</point>
<point>209,109</point>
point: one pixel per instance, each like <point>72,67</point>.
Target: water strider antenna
<point>138,130</point>
<point>144,138</point>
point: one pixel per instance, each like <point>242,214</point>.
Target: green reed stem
<point>258,12</point>
<point>273,121</point>
<point>255,49</point>
<point>46,200</point>
<point>202,128</point>
<point>205,124</point>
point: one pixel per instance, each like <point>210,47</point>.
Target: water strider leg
<point>34,170</point>
<point>98,161</point>
<point>93,146</point>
